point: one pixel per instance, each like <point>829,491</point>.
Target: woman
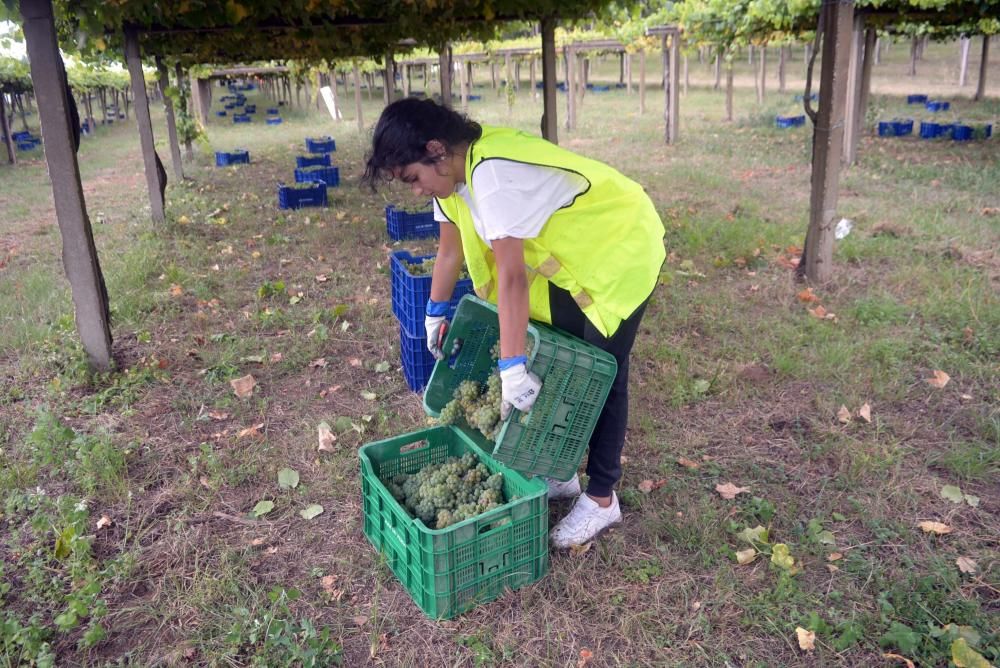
<point>544,233</point>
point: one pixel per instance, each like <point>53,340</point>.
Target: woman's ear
<point>436,150</point>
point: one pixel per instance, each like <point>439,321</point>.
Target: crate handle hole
<point>416,445</point>
<point>495,524</point>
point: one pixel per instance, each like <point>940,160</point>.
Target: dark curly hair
<point>403,130</point>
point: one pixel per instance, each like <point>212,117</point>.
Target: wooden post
<point>581,82</point>
<point>671,111</point>
<point>628,66</point>
<point>79,254</point>
<point>357,97</point>
<point>642,82</point>
<point>867,61</point>
<point>531,75</point>
<point>168,109</point>
<point>781,68</point>
<point>507,70</point>
<point>963,63</point>
<point>687,78</point>
<point>388,80</point>
<point>763,73</point>
<point>463,84</point>
<point>729,89</point>
<point>984,62</point>
<point>718,69</point>
<point>149,158</point>
<point>550,123</point>
<point>179,76</point>
<point>853,91</point>
<point>570,56</point>
<point>444,60</point>
<point>828,139</point>
<point>914,43</point>
<point>5,126</point>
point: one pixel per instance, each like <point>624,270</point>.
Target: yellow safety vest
<point>605,248</point>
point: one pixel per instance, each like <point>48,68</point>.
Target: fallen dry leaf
<point>843,415</point>
<point>176,290</point>
<point>250,431</point>
<point>318,363</point>
<point>909,664</point>
<point>807,639</point>
<point>648,486</point>
<point>355,362</point>
<point>821,313</point>
<point>834,556</point>
<point>806,296</point>
<point>935,527</point>
<point>327,582</point>
<point>277,357</point>
<point>257,542</point>
<point>939,380</point>
<point>326,437</point>
<point>729,490</point>
<point>359,620</point>
<point>586,656</point>
<point>966,565</point>
<point>865,412</point>
<point>105,521</point>
<point>687,463</point>
<point>243,387</point>
<point>578,550</point>
<point>744,557</point>
<point>321,278</point>
<point>218,415</point>
<point>832,568</point>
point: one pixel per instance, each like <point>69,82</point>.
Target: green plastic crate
<point>449,571</point>
<point>576,377</point>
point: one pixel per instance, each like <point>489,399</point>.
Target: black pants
<point>604,466</point>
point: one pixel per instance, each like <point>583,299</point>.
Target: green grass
<point>184,574</point>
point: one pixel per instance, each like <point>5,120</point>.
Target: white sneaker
<point>563,490</point>
<point>586,520</point>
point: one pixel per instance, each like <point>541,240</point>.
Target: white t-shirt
<point>514,199</point>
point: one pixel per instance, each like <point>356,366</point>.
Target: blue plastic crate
<point>930,130</point>
<point>272,110</point>
<point>315,160</point>
<point>231,105</point>
<point>26,146</point>
<point>410,292</point>
<point>296,198</point>
<point>321,144</point>
<point>812,96</point>
<point>404,225</point>
<point>220,113</point>
<point>886,129</point>
<point>789,121</point>
<point>241,118</point>
<point>937,105</point>
<point>418,363</point>
<point>962,132</point>
<point>21,136</point>
<point>599,88</point>
<point>917,98</point>
<point>902,126</point>
<point>274,120</point>
<point>226,158</point>
<point>328,175</point>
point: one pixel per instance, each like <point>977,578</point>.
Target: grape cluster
<point>450,492</point>
<point>426,268</point>
<point>477,405</point>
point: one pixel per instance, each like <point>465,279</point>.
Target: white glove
<point>519,389</point>
<point>437,330</point>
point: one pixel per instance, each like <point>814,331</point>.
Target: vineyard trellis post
<point>79,254</point>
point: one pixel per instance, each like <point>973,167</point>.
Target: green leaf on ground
<point>288,478</point>
<point>782,557</point>
<point>382,367</point>
<point>263,508</point>
<point>952,493</point>
<point>902,637</point>
<point>966,657</point>
<point>311,511</point>
<point>758,534</point>
<point>343,423</point>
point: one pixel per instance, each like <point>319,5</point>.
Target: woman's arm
<point>512,295</point>
<point>448,263</point>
